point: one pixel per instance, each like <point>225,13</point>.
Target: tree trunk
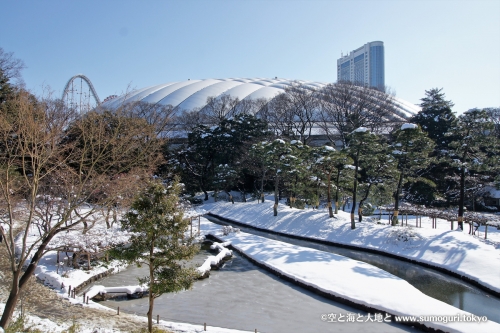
<point>115,216</point>
<point>360,209</point>
<point>276,198</point>
<point>85,227</point>
<point>354,190</point>
<point>229,196</point>
<point>337,192</point>
<point>108,211</point>
<point>329,197</point>
<point>150,311</point>
<point>76,259</point>
<point>11,303</point>
<point>20,281</point>
<point>461,201</point>
<point>362,201</point>
<point>396,199</point>
<point>151,282</point>
<point>262,187</point>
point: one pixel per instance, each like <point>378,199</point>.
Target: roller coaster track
<point>68,87</point>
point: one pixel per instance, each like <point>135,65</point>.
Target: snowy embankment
<point>455,251</point>
<point>351,280</point>
<point>101,290</point>
<point>215,260</point>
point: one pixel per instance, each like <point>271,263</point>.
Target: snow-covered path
<point>352,280</point>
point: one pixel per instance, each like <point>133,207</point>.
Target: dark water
<point>243,296</point>
<point>433,283</point>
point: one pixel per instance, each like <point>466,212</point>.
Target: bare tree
<point>158,115</point>
<point>10,67</point>
<point>219,108</point>
<point>347,106</point>
<point>292,114</point>
<point>188,120</point>
<point>52,163</point>
<point>251,106</point>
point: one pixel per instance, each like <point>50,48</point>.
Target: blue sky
<point>119,45</point>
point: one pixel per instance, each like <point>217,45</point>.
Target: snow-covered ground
<point>62,277</point>
<point>91,326</point>
<point>361,283</point>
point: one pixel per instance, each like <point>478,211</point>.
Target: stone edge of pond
<point>370,250</point>
<point>78,289</point>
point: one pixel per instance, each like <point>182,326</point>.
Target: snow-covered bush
<point>406,236</point>
<point>227,229</point>
<point>368,209</point>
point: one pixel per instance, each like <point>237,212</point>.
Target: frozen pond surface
<point>433,283</point>
<point>243,296</point>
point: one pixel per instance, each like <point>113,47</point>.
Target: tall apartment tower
<point>365,65</point>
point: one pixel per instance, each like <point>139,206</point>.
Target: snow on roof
<point>408,126</point>
<point>361,129</point>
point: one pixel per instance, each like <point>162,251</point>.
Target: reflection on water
<point>438,285</point>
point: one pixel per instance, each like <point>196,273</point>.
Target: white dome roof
<point>191,94</point>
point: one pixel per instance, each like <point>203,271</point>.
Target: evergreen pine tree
<point>159,240</point>
<point>411,149</point>
<point>234,138</point>
<point>220,151</point>
<point>378,169</point>
<point>474,148</point>
<point>343,176</point>
<point>361,145</point>
<point>197,160</point>
<point>436,119</point>
<point>275,156</point>
<point>330,163</point>
<point>296,171</point>
<point>259,167</point>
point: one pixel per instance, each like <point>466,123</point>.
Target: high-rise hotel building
<point>365,65</point>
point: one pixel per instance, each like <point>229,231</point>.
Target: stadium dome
<point>192,94</point>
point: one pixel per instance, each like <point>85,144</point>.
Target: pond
<point>242,296</point>
<point>431,282</point>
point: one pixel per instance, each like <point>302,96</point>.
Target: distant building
<point>365,65</point>
<point>192,95</point>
